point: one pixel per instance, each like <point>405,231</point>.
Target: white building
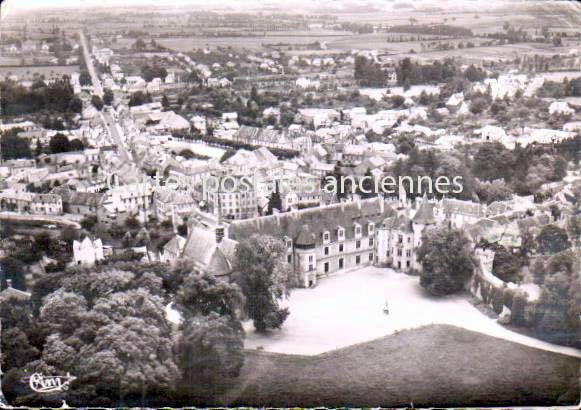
<point>87,252</point>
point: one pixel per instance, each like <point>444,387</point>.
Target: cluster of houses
<point>321,234</point>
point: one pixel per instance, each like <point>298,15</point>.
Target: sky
<point>31,4</point>
<point>289,5</point>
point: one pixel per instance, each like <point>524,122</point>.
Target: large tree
<point>59,143</point>
<point>264,277</point>
<point>108,96</point>
<point>552,239</point>
<point>121,346</point>
<point>14,147</point>
<point>210,349</point>
<point>202,294</point>
<point>446,260</point>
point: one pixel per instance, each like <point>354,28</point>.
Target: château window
<point>358,244</point>
<point>399,252</point>
<point>408,253</point>
<point>357,259</point>
<point>370,241</point>
<point>289,258</point>
<point>400,239</point>
<point>340,247</point>
<point>326,250</point>
<point>310,258</point>
<point>370,257</point>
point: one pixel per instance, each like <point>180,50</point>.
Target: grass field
<point>437,365</point>
<point>48,71</point>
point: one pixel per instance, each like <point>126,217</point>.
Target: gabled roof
<point>201,248</point>
<point>425,215</point>
<point>318,220</point>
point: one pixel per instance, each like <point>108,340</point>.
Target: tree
<point>84,78</point>
<point>553,309</point>
<point>492,161</point>
<point>108,96</point>
<point>446,261</point>
<point>122,345</point>
<point>139,45</point>
<point>88,222</point>
<point>59,143</point>
<point>367,186</point>
<point>274,201</point>
<point>14,147</point>
<point>97,102</point>
<point>264,278</point>
<point>552,239</point>
<point>77,145</point>
<point>13,269</point>
<point>210,350</point>
<point>506,265</point>
<point>132,223</point>
<point>203,294</point>
<point>397,101</point>
<point>139,98</point>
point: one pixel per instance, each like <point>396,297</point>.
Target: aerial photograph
<point>290,203</point>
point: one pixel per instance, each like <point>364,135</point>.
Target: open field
<point>432,366</point>
<point>347,308</point>
<point>29,72</point>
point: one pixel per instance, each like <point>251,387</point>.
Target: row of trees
<point>58,96</point>
<point>448,264</point>
<point>566,88</point>
<point>490,172</point>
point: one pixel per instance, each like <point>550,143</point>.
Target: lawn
<point>347,308</point>
<point>437,365</point>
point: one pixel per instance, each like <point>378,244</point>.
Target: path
<point>348,308</point>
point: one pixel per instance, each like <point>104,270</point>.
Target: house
<point>167,122</point>
<point>323,240</point>
<point>87,252</point>
<point>172,250</point>
<point>47,204</point>
<point>199,123</point>
<point>209,250</point>
<point>574,126</point>
<point>400,236</point>
<point>491,133</point>
<point>235,198</point>
<point>230,117</point>
<point>24,126</point>
<point>173,205</point>
<point>135,83</point>
<point>561,108</point>
<point>271,112</point>
<point>27,202</point>
<point>319,117</point>
<point>78,203</point>
<point>455,102</point>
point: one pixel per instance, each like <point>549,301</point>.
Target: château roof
<point>319,220</point>
<point>425,215</point>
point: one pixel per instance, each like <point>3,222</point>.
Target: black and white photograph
<point>290,203</point>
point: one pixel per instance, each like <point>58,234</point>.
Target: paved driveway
<point>347,308</point>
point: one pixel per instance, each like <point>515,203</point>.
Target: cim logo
<point>50,384</point>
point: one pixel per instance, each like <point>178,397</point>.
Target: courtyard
<point>347,309</point>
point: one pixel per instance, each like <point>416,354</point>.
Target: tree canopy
<point>446,260</point>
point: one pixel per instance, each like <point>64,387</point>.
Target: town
<point>168,236</point>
